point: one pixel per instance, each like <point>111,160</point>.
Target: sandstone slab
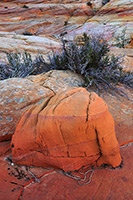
<point>126,55</point>
<point>53,82</point>
<point>12,177</point>
<point>113,185</point>
<point>121,110</point>
<point>54,20</point>
<point>120,107</point>
<point>5,148</point>
<point>38,26</point>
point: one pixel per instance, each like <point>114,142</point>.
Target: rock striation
<point>109,21</point>
<point>38,26</point>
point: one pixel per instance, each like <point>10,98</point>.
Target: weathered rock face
<point>126,56</point>
<point>37,26</point>
<point>68,130</point>
<point>57,186</point>
<point>110,20</point>
<point>121,110</point>
<point>33,44</point>
<point>17,95</point>
<point>57,80</point>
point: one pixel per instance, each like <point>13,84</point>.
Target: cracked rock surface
<point>67,131</point>
<point>16,96</point>
<point>19,94</point>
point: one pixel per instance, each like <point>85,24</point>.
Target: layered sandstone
<point>110,20</point>
<point>37,26</point>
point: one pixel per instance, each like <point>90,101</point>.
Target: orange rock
<point>71,129</point>
<point>12,177</point>
<point>5,148</point>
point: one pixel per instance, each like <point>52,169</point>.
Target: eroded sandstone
<point>38,26</point>
<point>67,131</point>
<point>110,20</point>
<point>17,95</point>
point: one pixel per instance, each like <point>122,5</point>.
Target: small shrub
<point>121,40</point>
<point>89,57</point>
<point>4,71</point>
<point>22,65</point>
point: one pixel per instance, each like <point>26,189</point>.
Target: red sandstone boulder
<point>71,129</point>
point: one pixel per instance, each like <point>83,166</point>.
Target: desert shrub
<point>89,57</point>
<point>81,55</point>
<point>121,41</point>
<point>22,65</point>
